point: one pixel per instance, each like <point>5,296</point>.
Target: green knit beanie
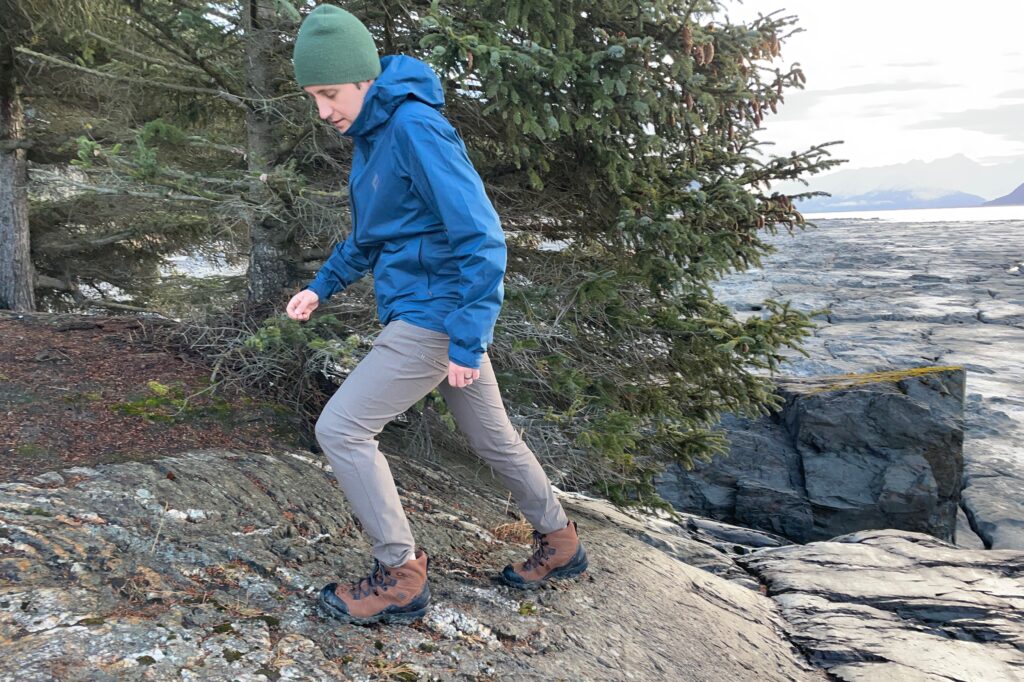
<point>334,47</point>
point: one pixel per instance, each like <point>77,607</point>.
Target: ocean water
<point>975,214</point>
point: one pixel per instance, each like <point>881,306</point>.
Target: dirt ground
<point>85,390</point>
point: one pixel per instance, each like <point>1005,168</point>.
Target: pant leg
<point>480,414</point>
<point>392,377</point>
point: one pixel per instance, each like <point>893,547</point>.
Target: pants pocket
<point>435,360</point>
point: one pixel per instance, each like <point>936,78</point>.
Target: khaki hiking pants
<point>406,363</point>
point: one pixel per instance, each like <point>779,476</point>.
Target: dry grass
<point>837,382</point>
<point>520,532</point>
<point>392,670</point>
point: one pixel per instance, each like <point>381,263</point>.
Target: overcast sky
<point>899,80</point>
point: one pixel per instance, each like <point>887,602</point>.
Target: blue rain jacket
<point>420,217</point>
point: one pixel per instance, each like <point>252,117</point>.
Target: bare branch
<point>174,196</point>
<point>87,244</point>
<point>102,303</point>
<point>145,57</point>
<point>9,145</point>
<point>227,96</point>
<point>47,282</point>
<point>197,141</point>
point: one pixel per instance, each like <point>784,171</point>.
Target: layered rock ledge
<point>891,605</point>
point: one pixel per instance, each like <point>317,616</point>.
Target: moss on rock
<point>838,382</point>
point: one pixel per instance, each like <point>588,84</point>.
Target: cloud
<point>798,104</point>
<point>880,110</point>
<point>1011,94</point>
<point>1002,120</point>
<point>901,65</point>
<point>871,88</point>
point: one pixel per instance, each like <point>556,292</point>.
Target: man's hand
<point>459,376</point>
<point>303,304</point>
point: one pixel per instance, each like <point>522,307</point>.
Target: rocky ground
<point>911,294</point>
<point>204,567</point>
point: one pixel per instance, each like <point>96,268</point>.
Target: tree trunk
<point>15,261</point>
<point>272,250</point>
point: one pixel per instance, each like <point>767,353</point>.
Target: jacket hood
<point>401,78</point>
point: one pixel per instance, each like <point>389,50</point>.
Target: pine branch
<point>206,9</point>
<point>188,55</point>
<point>227,184</point>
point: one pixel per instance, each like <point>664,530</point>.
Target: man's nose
<point>324,110</point>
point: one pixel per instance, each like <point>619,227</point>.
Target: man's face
<point>339,104</point>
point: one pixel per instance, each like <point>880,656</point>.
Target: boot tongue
<point>365,586</point>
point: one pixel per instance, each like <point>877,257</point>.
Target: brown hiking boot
<point>390,594</point>
<point>556,555</point>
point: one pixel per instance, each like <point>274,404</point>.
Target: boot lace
<point>378,581</point>
<point>542,550</point>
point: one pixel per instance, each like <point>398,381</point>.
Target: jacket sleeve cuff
<point>461,356</point>
<point>320,289</point>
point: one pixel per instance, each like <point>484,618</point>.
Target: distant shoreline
<point>925,215</point>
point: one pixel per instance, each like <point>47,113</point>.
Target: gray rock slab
<point>205,567</point>
<point>992,500</point>
<point>894,605</point>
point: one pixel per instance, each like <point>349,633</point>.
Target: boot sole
<point>577,565</point>
<point>384,617</point>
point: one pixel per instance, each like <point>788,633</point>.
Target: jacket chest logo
<point>375,182</point>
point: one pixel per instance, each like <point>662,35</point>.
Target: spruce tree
<point>621,143</point>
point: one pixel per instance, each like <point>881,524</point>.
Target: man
<point>424,225</point>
